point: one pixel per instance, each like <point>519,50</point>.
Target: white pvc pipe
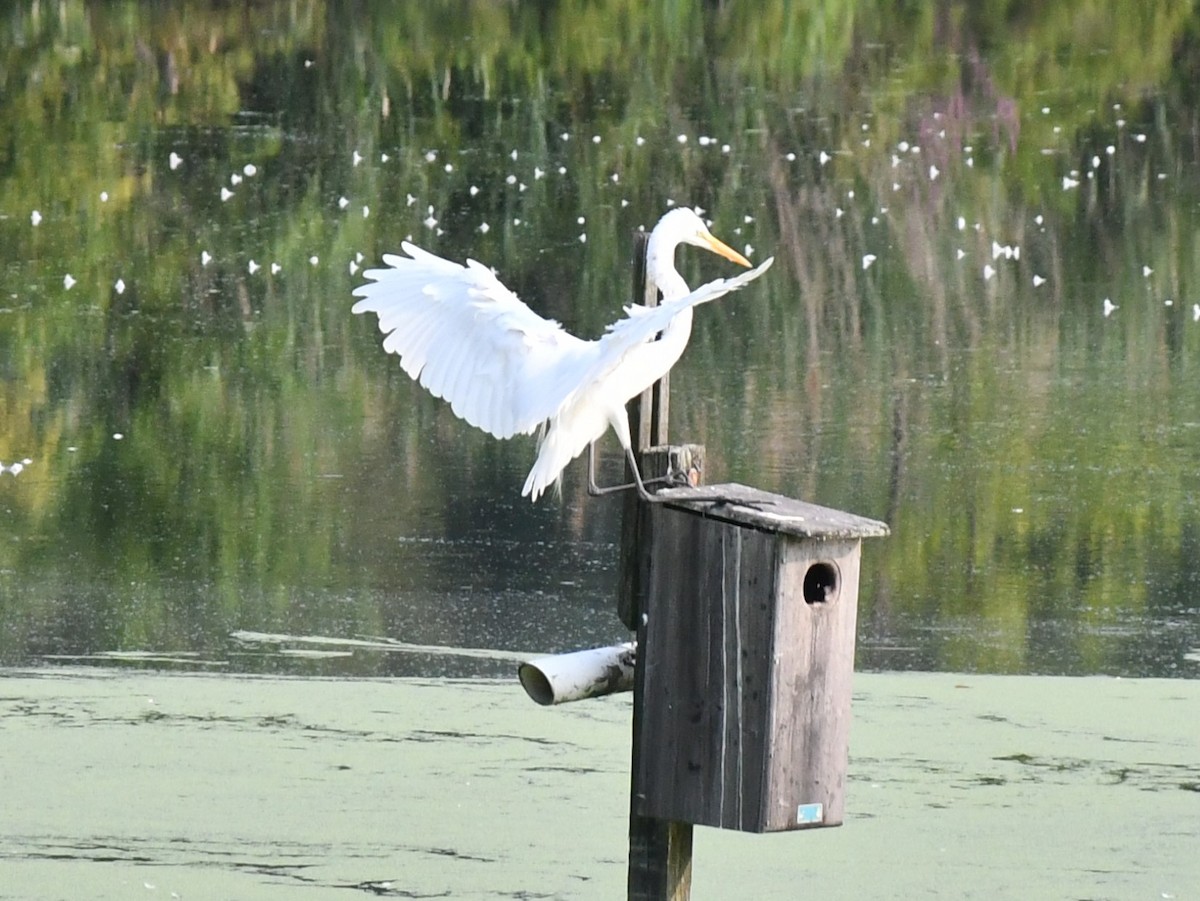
<point>557,678</point>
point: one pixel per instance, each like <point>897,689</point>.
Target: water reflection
<point>1035,457</point>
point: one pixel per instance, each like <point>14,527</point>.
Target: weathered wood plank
<point>773,512</point>
<point>660,852</point>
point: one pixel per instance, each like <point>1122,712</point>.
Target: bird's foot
<point>717,499</point>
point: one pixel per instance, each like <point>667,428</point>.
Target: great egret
<point>468,339</point>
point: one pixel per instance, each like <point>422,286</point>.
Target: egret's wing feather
<point>468,339</point>
<point>641,324</point>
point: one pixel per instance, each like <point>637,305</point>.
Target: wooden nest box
<point>748,644</point>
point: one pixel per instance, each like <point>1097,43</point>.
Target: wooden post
<point>660,851</point>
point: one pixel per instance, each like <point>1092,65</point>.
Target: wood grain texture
<point>774,512</point>
<point>747,683</point>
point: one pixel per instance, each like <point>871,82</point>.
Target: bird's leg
<point>597,491</point>
<point>593,489</point>
<point>699,494</point>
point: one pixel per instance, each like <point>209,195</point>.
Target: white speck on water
<point>484,227</point>
<point>1140,138</point>
<point>68,281</point>
<point>1109,306</point>
<point>511,179</point>
<point>867,260</point>
<point>473,190</point>
<point>1038,281</point>
<point>205,258</point>
<point>562,170</point>
<point>823,158</point>
<point>250,170</point>
<point>682,139</point>
<point>314,260</point>
<point>538,173</point>
<point>449,167</point>
<point>513,155</point>
<point>639,140</point>
<point>343,202</point>
<point>383,157</point>
<point>1196,312</point>
<point>850,194</point>
<point>988,271</point>
<point>117,436</point>
<point>1120,123</point>
<point>790,157</point>
<point>516,222</point>
<point>35,218</point>
<point>366,211</point>
<point>1146,271</point>
<point>225,194</point>
<point>353,267</point>
<point>235,179</point>
<point>1039,219</point>
<point>1095,162</point>
<point>174,161</point>
<point>581,220</point>
<point>430,156</point>
<point>119,287</point>
<point>1110,149</point>
<point>430,221</point>
<point>564,136</point>
<point>104,197</point>
<point>725,148</point>
<point>595,139</point>
<point>838,213</point>
<point>961,223</point>
<point>748,251</point>
<point>1068,183</point>
<point>933,173</point>
<point>409,200</point>
<point>959,254</point>
<point>276,268</point>
<point>583,238</point>
<point>253,267</point>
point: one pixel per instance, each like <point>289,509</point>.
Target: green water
<point>1024,788</point>
<point>215,444</point>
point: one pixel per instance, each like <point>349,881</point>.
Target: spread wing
<point>641,324</point>
<point>468,339</point>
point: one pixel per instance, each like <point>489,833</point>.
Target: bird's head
<point>683,226</point>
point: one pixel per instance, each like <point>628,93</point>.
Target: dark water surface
<point>983,326</point>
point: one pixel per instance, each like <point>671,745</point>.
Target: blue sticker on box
<point>808,814</point>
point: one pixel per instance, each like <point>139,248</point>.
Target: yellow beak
<point>722,249</point>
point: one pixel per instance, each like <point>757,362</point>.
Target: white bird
<point>503,368</point>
